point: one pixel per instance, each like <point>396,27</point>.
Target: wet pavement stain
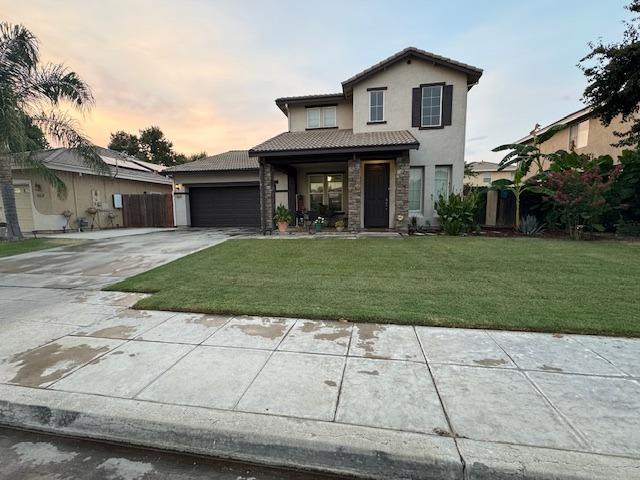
<point>331,383</point>
<point>338,331</point>
<point>51,362</point>
<point>490,362</point>
<point>367,336</point>
<point>265,330</point>
<point>550,369</point>
<point>557,335</point>
<point>133,314</point>
<point>118,331</point>
<point>369,372</point>
<point>207,321</point>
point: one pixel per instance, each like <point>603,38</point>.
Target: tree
<point>614,79</point>
<point>516,186</point>
<point>128,143</point>
<point>156,147</point>
<point>527,154</point>
<point>30,98</point>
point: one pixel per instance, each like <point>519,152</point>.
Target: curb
<point>325,447</point>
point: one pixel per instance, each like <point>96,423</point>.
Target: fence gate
<point>147,210</point>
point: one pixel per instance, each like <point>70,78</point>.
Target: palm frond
<point>64,130</point>
<point>550,132</point>
<point>18,46</point>
<point>56,83</point>
<point>30,161</point>
<point>507,146</point>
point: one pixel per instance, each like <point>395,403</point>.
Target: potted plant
<point>339,225</point>
<point>282,218</point>
<point>319,223</point>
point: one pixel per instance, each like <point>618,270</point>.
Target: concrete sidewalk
<point>366,400</point>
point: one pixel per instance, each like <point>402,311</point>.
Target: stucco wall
<point>48,207</point>
<point>478,181</point>
<point>443,146</point>
<point>298,116</point>
<point>181,206</point>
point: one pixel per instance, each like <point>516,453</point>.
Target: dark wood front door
<point>376,195</point>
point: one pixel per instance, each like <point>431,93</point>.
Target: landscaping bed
<point>503,283</point>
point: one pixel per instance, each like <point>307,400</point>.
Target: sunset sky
<point>207,72</point>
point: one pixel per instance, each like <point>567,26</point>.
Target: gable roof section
<point>473,73</point>
<point>321,99</point>
<point>231,160</point>
<point>568,120</point>
<point>489,167</point>
<point>334,140</point>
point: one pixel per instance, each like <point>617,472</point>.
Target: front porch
<point>364,191</point>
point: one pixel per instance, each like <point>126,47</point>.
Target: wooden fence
<point>147,210</point>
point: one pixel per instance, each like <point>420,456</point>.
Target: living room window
<point>376,106</point>
<point>416,182</point>
<point>321,117</point>
<point>326,189</point>
<point>431,106</point>
<point>442,181</point>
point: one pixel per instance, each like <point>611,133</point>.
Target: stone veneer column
<point>355,194</point>
<point>402,191</point>
<point>266,196</point>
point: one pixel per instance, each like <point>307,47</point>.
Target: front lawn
<point>24,246</point>
<point>516,283</point>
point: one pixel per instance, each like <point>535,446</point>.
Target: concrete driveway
<point>97,263</point>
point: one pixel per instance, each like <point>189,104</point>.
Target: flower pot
<point>318,227</point>
<point>282,227</point>
<point>339,229</point>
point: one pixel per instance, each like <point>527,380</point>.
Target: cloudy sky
<point>207,72</point>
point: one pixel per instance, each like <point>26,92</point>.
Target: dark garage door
<point>230,206</point>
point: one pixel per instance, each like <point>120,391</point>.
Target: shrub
<point>457,212</point>
<point>283,215</point>
<point>530,227</point>
<point>628,229</point>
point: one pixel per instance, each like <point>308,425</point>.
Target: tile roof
<point>231,160</point>
<point>488,167</point>
<point>335,139</point>
<point>309,99</point>
<point>473,73</point>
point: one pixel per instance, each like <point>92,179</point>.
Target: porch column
<point>402,191</point>
<point>355,193</point>
<point>266,196</point>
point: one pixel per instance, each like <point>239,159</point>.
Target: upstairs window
<point>431,106</point>
<point>376,106</point>
<point>321,117</point>
<point>579,135</point>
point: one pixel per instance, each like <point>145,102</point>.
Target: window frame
<point>422,97</point>
<point>321,116</point>
<point>575,136</point>
<point>420,211</point>
<point>370,92</point>
<point>325,187</point>
<point>449,170</point>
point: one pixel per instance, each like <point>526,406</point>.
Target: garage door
<point>232,206</point>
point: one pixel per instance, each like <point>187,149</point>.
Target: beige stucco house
<point>40,208</point>
<point>486,173</point>
<point>375,153</point>
<point>584,134</point>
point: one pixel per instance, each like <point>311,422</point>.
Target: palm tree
<point>31,95</point>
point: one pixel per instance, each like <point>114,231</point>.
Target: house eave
<point>343,150</point>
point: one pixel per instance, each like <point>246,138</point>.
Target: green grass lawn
<point>24,246</point>
<point>516,283</point>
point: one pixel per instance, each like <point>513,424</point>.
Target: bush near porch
<point>515,283</point>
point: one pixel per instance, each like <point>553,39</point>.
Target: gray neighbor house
<point>379,152</point>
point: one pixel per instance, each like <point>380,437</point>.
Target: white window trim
<point>449,169</point>
<point>383,106</point>
<point>422,105</point>
<point>321,117</point>
<point>421,210</point>
<point>325,193</point>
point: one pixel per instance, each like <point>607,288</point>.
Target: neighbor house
<point>376,153</point>
<point>41,209</point>
<point>486,173</point>
<point>584,134</point>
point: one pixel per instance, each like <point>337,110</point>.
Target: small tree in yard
<point>517,186</point>
<point>579,197</point>
<point>26,87</point>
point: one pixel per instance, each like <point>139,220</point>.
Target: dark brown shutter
<point>447,104</point>
<point>416,107</point>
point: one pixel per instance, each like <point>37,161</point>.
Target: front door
<point>376,195</point>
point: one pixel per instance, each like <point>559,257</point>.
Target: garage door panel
<point>231,206</point>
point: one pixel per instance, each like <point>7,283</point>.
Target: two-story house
<point>378,152</point>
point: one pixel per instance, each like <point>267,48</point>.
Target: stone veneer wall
<point>266,196</point>
<point>402,191</point>
<point>355,194</point>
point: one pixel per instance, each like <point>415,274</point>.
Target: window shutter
<point>416,107</point>
<point>447,104</point>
